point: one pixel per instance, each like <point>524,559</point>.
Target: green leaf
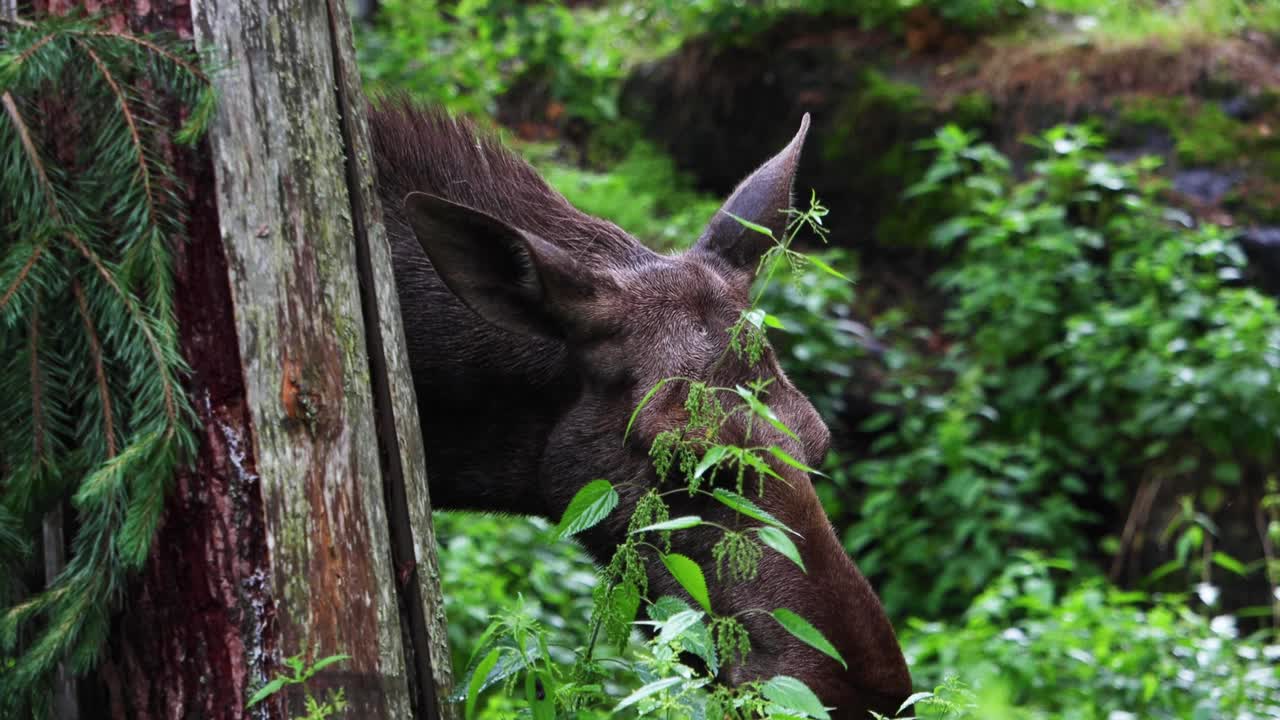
<point>483,641</point>
<point>1226,562</point>
<point>808,634</point>
<point>674,626</point>
<point>754,461</point>
<point>689,575</point>
<point>643,402</point>
<point>710,459</point>
<point>624,603</point>
<point>773,322</point>
<point>680,523</point>
<point>793,695</point>
<point>696,639</point>
<point>912,700</point>
<point>652,688</point>
<point>778,540</point>
<point>589,506</point>
<point>477,682</point>
<point>764,411</point>
<point>787,458</point>
<point>540,694</point>
<point>750,225</point>
<point>750,509</point>
<point>326,662</point>
<point>824,267</point>
<point>265,692</point>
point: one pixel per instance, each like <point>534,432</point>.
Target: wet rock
<point>1204,185</point>
<point>1262,246</point>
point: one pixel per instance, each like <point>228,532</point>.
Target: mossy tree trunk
<point>304,524</point>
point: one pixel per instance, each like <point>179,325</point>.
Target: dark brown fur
<point>534,330</point>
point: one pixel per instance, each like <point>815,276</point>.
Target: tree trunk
<point>304,525</point>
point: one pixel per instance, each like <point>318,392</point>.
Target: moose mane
<point>424,149</point>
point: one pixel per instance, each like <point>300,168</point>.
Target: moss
<point>1257,199</point>
<point>972,110</point>
<point>1203,134</point>
<point>1210,137</point>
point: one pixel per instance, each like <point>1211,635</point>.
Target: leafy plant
<point>1027,649</point>
<point>334,701</point>
<point>1091,345</point>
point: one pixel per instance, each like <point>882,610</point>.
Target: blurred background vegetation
<point>1054,385</point>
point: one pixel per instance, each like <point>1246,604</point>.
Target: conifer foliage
<point>93,414</point>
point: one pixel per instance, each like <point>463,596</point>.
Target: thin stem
<point>168,55</point>
<point>595,633</point>
<point>37,389</point>
<point>24,135</point>
<point>22,276</point>
<point>749,611</point>
<point>170,405</point>
<point>1270,560</point>
<point>95,349</point>
<point>133,130</point>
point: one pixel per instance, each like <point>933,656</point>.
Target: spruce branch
<point>98,415</point>
<point>169,55</point>
<point>95,349</point>
<point>153,345</point>
<point>143,172</point>
<point>25,55</point>
<point>21,277</point>
<point>33,155</point>
<point>37,386</point>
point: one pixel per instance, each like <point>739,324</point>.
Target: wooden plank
<point>285,223</point>
<point>409,505</point>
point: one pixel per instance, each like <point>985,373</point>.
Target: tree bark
<point>304,524</point>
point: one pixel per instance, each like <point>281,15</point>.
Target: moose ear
<point>513,279</point>
<point>762,199</point>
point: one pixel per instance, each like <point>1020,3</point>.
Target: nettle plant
<point>1096,344</point>
<point>688,643</point>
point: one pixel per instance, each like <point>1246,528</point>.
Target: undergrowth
<point>1139,19</point>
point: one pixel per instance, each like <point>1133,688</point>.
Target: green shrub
<point>1029,650</point>
<point>644,193</point>
<point>495,564</point>
<point>1089,342</point>
<point>466,55</point>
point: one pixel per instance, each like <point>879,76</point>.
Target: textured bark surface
<point>284,214</point>
<point>278,540</point>
<point>198,632</point>
<point>413,540</point>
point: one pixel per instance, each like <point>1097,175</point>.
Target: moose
<point>534,330</point>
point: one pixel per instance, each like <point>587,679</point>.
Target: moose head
<point>534,332</point>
